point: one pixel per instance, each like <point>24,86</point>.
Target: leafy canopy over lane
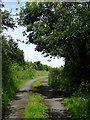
<point>61,29</point>
<point>51,24</point>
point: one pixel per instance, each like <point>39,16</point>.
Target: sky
<point>29,49</point>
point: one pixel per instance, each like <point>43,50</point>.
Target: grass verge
<point>78,107</point>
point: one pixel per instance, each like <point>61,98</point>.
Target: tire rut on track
<point>53,98</point>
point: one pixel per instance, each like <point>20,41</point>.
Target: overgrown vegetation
<point>78,104</point>
<point>15,71</point>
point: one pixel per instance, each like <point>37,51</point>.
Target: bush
<point>54,77</point>
<point>57,79</point>
<point>79,107</point>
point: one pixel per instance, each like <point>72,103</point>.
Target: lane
<point>52,97</point>
<point>17,105</point>
<point>27,85</point>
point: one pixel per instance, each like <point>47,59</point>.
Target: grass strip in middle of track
<point>38,82</point>
<point>36,108</point>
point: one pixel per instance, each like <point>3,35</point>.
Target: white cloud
<point>32,55</point>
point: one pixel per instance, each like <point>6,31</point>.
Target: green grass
<point>36,107</point>
<point>78,107</point>
<point>38,82</point>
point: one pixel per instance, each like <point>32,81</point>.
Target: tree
<point>7,20</point>
<point>10,51</point>
<point>60,29</point>
<point>9,47</point>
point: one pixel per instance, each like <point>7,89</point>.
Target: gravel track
<point>53,98</point>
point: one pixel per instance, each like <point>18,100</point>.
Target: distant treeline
<point>38,66</point>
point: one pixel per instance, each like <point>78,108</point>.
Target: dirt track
<point>17,105</point>
<point>52,97</point>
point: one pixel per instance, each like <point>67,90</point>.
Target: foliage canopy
<point>60,29</point>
